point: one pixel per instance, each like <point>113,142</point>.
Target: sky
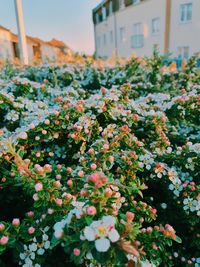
<point>66,20</point>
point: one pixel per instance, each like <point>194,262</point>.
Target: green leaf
<point>178,240</point>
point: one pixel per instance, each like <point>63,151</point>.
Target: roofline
<point>5,29</point>
<point>35,40</point>
<point>99,5</point>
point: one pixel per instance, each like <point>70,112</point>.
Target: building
<point>129,27</point>
<point>38,50</point>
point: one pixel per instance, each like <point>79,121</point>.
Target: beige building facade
<point>129,27</point>
<point>38,50</point>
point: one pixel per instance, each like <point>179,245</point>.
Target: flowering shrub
<point>99,166</point>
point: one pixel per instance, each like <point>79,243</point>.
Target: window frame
<point>185,13</point>
<point>158,26</point>
<point>138,35</point>
<point>182,55</point>
<point>122,34</point>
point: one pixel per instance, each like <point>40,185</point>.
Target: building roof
<point>37,41</point>
<point>3,28</point>
<point>99,5</point>
<point>57,43</point>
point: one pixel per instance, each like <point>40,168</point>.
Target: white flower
<point>40,251</point>
<point>23,135</point>
<point>109,220</point>
<point>89,233</point>
<point>47,245</point>
<point>45,237</point>
<point>22,256</point>
<point>32,247</point>
<point>102,232</point>
<point>102,244</point>
<point>113,235</point>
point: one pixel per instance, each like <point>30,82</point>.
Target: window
<point>121,4</point>
<point>97,18</point>
<point>98,42</point>
<point>111,37</point>
<point>183,52</point>
<point>122,34</point>
<point>37,52</point>
<point>155,25</point>
<point>137,39</point>
<point>186,12</point>
<point>103,13</point>
<point>110,7</point>
<point>136,2</point>
<point>104,39</point>
<point>15,50</point>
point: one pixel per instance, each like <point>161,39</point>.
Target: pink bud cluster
<point>98,179</point>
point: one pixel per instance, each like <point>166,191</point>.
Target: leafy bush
<point>100,166</point>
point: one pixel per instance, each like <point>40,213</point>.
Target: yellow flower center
<point>102,231</point>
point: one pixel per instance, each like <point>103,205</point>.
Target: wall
<point>102,28</point>
<point>47,52</point>
<point>6,50</point>
<point>143,12</point>
<point>188,33</point>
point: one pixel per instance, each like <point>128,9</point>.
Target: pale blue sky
<point>67,20</point>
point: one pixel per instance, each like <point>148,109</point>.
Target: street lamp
<point>21,32</point>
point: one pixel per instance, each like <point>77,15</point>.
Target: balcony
<point>137,41</point>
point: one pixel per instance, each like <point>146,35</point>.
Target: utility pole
<point>21,32</point>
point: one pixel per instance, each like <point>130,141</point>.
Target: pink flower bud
<point>69,169</point>
<point>4,240</point>
<point>105,146</point>
<point>141,220</point>
<point>185,185</point>
<point>93,166</point>
<point>81,173</point>
<point>32,126</point>
<point>83,192</point>
<point>2,226</point>
<point>104,179</point>
<point>47,122</point>
<point>111,159</point>
<point>16,222</point>
<point>130,216</point>
<point>91,210</point>
<point>35,197</point>
<point>38,187</point>
<point>47,168</point>
<point>50,211</point>
<point>31,230</point>
<point>70,182</point>
<point>59,166</point>
<point>149,229</point>
<point>58,177</point>
<point>59,201</point>
<point>30,214</point>
<point>56,113</point>
<point>115,212</point>
<point>76,252</point>
<point>57,184</point>
<point>108,192</point>
<point>91,151</point>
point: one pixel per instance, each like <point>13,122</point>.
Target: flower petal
<point>113,235</point>
<point>109,220</point>
<point>102,244</point>
<point>89,233</point>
